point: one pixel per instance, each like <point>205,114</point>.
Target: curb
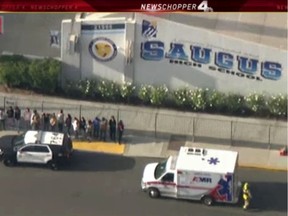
<point>264,168</point>
<point>103,147</point>
<point>248,166</point>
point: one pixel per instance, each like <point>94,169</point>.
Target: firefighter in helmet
<point>246,195</point>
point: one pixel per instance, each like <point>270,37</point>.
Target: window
<point>18,140</point>
<point>28,149</point>
<point>55,39</point>
<point>160,169</point>
<point>169,177</point>
<point>41,149</point>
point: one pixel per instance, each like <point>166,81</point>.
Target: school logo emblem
<point>103,49</point>
<point>149,29</point>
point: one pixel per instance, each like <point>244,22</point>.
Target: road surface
<point>109,185</point>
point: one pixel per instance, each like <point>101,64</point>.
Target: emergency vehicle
<point>206,175</point>
<point>38,147</point>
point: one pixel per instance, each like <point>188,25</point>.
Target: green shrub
<point>198,99</point>
<point>45,74</point>
<point>15,73</point>
<point>144,93</point>
<point>89,88</point>
<point>127,91</point>
<point>13,58</point>
<point>215,101</point>
<point>235,104</point>
<point>257,103</point>
<point>158,95</point>
<point>109,91</point>
<point>73,89</point>
<point>182,97</point>
<point>277,105</point>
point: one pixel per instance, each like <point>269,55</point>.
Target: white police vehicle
<point>38,147</point>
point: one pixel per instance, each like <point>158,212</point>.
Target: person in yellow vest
<point>246,196</point>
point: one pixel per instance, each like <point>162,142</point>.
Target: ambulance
<point>206,175</point>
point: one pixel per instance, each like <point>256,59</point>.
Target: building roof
<point>206,160</point>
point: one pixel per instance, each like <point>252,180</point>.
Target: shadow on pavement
<point>5,141</point>
<point>83,161</point>
<point>92,161</point>
<point>269,196</point>
<point>141,137</point>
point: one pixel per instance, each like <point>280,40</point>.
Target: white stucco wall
<point>109,69</point>
<point>179,75</point>
<point>188,72</point>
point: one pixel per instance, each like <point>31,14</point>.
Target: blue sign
<point>149,29</point>
<point>223,62</point>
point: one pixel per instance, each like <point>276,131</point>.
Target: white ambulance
<point>207,175</point>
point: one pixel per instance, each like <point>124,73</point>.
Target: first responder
<point>246,195</point>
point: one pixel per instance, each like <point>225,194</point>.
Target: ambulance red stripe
<point>179,186</point>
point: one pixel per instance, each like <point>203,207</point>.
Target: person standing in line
<point>10,117</point>
<point>112,128</point>
<point>96,127</point>
<point>89,130</point>
<point>2,119</point>
<point>83,126</point>
<point>53,122</point>
<point>35,120</point>
<point>60,121</point>
<point>17,116</point>
<point>103,129</point>
<point>76,125</point>
<point>120,128</point>
<point>27,118</point>
<point>46,118</point>
<point>68,123</point>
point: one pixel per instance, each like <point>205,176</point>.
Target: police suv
<point>38,147</point>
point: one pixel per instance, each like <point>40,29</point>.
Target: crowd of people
<point>97,128</point>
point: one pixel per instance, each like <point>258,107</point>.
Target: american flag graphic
<point>149,29</point>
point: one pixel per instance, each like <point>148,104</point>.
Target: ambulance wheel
<point>153,192</point>
<point>207,200</point>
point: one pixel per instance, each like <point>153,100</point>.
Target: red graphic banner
<point>143,6</point>
<point>1,25</point>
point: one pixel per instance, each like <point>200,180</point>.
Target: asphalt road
<point>109,185</point>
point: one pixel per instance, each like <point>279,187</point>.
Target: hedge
<point>194,100</point>
<point>43,76</point>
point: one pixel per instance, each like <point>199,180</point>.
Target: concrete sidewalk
<point>248,157</point>
<point>147,146</point>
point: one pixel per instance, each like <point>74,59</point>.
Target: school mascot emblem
<point>103,49</point>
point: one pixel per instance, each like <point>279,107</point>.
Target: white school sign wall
<point>174,54</point>
<point>180,55</point>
